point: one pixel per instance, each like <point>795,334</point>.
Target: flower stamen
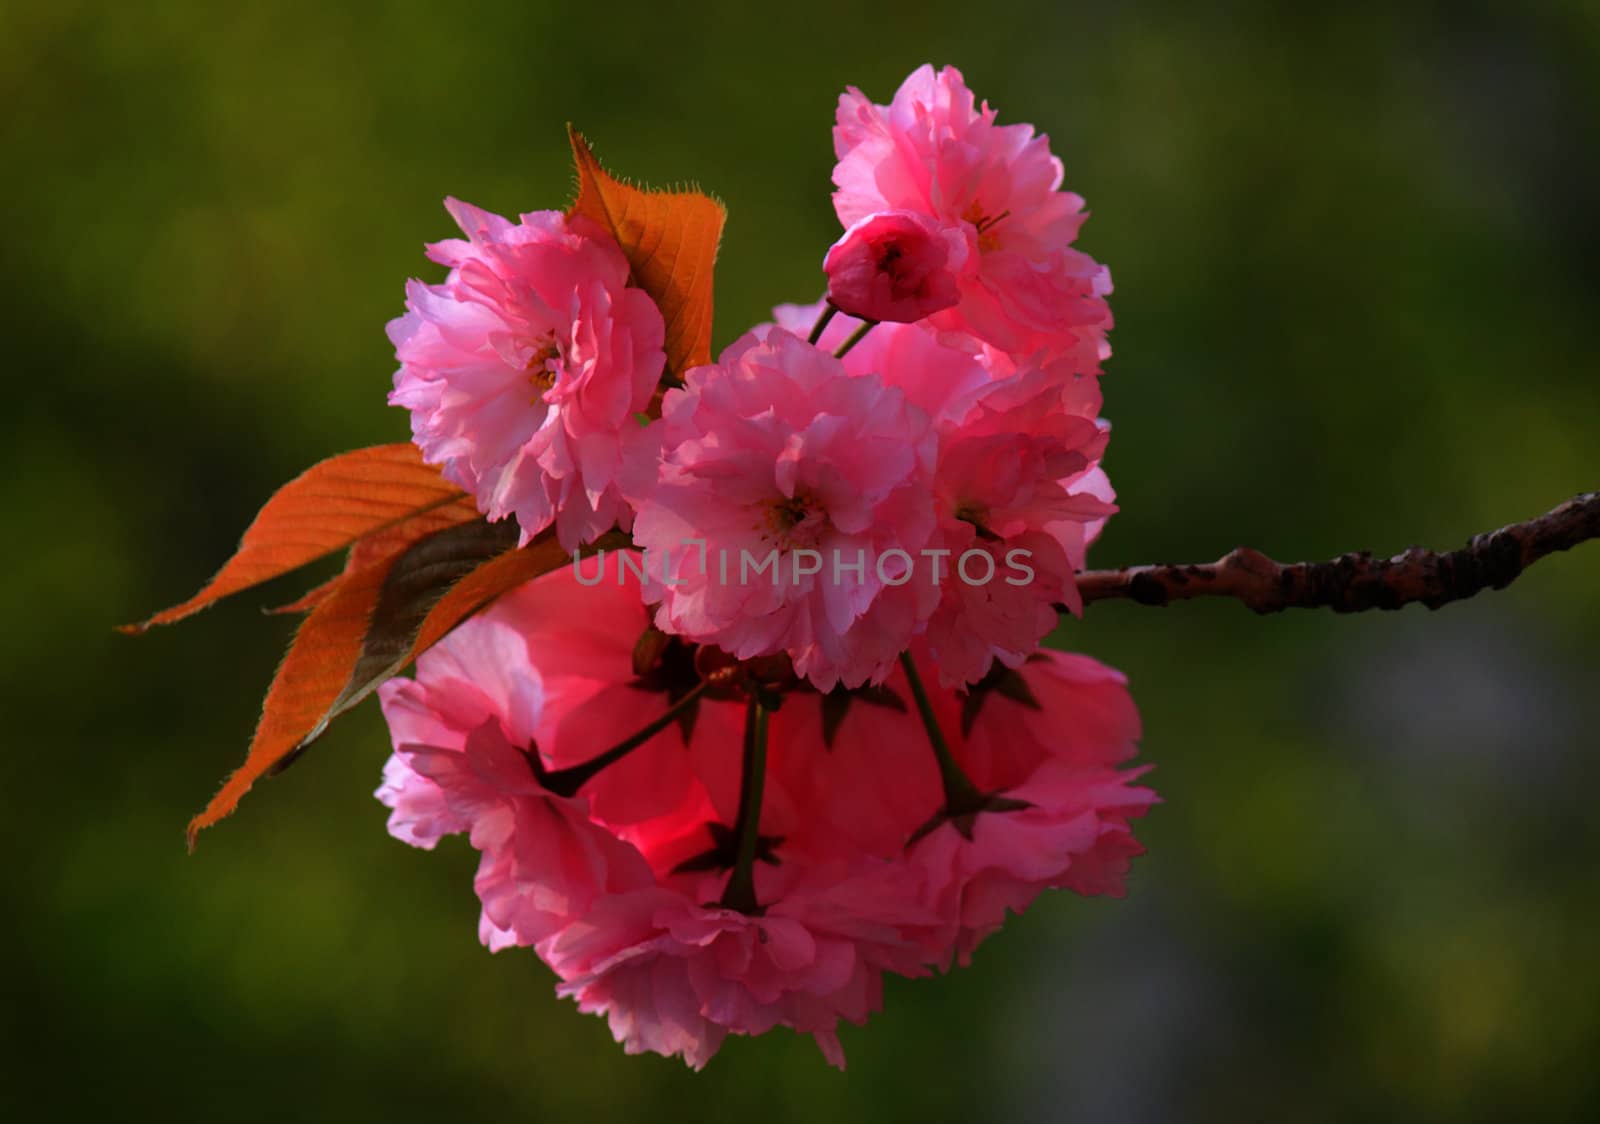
<point>793,521</point>
<point>544,368</point>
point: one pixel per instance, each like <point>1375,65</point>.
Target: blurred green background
<point>1355,253</point>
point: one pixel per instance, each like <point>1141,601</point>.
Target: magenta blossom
<point>1048,737</point>
<point>626,912</point>
<point>932,150</point>
<point>525,369</point>
<point>895,265</point>
<point>790,495</point>
<point>581,638</point>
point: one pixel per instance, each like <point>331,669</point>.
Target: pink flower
<point>1073,835</point>
<point>1018,490</point>
<point>1015,504</point>
<point>798,483</point>
<point>859,764</point>
<point>941,380</point>
<point>421,814</point>
<point>525,369</point>
<point>463,730</point>
<point>675,977</point>
<point>619,910</point>
<point>582,627</point>
<point>931,150</point>
<point>895,265</point>
<point>628,913</point>
<point>691,864</point>
<point>1048,735</point>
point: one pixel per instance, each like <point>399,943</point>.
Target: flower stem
<point>855,338</point>
<point>567,782</point>
<point>740,893</point>
<point>960,794</point>
<point>828,313</point>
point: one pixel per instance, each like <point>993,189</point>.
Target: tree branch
<point>1355,582</point>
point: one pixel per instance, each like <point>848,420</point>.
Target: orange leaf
<point>670,239</point>
<point>307,682</point>
<point>370,624</point>
<point>489,581</point>
<point>325,508</point>
<point>379,545</point>
<point>401,632</point>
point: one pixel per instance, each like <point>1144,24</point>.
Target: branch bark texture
<point>1355,582</point>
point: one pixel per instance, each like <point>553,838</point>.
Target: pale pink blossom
<point>940,379</point>
<point>776,455</point>
<point>545,861</point>
<point>420,815</point>
<point>525,369</point>
<point>674,976</point>
<point>896,266</point>
<point>1018,480</point>
<point>932,150</point>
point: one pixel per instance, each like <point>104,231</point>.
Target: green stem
<point>855,338</point>
<point>567,782</point>
<point>828,313</point>
<point>741,890</point>
<point>960,794</point>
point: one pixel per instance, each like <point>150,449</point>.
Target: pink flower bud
<point>895,265</point>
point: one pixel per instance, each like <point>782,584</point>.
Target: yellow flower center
<point>543,368</point>
<point>987,239</point>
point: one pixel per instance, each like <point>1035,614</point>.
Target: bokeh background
<point>1355,251</point>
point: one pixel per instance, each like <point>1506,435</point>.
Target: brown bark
<point>1355,582</point>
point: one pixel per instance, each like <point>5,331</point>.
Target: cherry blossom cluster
<point>802,734</point>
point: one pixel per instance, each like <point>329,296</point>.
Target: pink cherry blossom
<point>858,762</point>
<point>1014,502</point>
<point>619,911</point>
<point>940,378</point>
<point>1073,835</point>
<point>896,266</point>
<point>581,638</point>
<point>705,789</point>
<point>1018,479</point>
<point>1050,736</point>
<point>777,455</point>
<point>525,369</point>
<point>462,731</point>
<point>932,150</point>
<point>627,914</point>
<point>674,976</point>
